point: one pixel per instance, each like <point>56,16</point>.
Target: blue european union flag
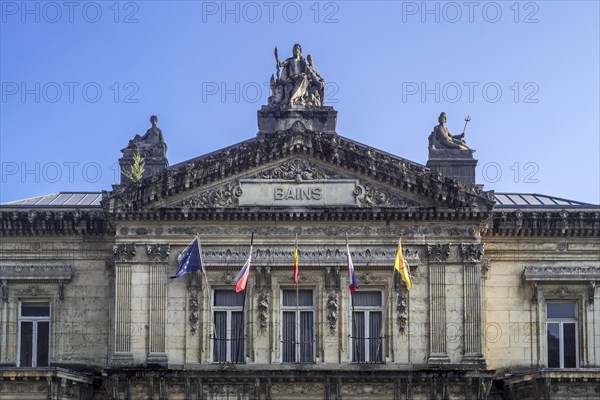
<point>190,260</point>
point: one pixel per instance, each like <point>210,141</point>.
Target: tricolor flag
<point>190,260</point>
<point>242,277</point>
<point>401,265</point>
<point>351,274</point>
<point>296,266</point>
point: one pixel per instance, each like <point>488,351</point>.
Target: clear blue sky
<point>526,72</point>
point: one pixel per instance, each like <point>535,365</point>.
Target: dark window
<point>34,336</point>
<point>229,333</point>
<point>297,326</point>
<point>367,327</point>
<point>561,329</point>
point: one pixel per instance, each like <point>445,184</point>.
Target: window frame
<point>228,331</point>
<point>561,321</point>
<point>367,310</point>
<point>34,321</point>
<point>297,313</point>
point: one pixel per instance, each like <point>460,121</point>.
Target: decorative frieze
<point>52,222</point>
<point>552,274</point>
<point>41,273</point>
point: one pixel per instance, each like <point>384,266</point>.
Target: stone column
<point>124,254</point>
<point>158,255</point>
<point>472,349</point>
<point>438,255</point>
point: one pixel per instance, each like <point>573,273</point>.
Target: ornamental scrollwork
<point>124,252</point>
<point>225,196</point>
<point>438,252</point>
<point>367,196</point>
<point>158,252</point>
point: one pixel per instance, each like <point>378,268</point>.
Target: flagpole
<point>241,333</point>
<point>352,303</point>
<point>210,309</point>
<point>385,307</point>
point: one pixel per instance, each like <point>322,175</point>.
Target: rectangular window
<point>34,334</point>
<point>229,330</point>
<point>561,328</point>
<point>297,326</point>
<point>367,327</point>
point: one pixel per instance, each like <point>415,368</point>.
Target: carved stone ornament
<point>295,170</point>
<point>472,252</point>
<point>332,279</point>
<point>33,290</point>
<point>224,196</point>
<point>44,272</point>
<point>124,252</point>
<point>263,309</point>
<point>297,389</point>
<point>438,252</point>
<point>158,252</point>
<point>401,302</point>
<point>4,291</point>
<point>367,196</point>
<point>332,312</point>
<point>194,309</point>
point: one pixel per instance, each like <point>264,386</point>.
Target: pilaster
<point>438,255</point>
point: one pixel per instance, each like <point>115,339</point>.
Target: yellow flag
<point>402,266</point>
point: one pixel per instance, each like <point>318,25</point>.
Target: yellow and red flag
<point>401,265</point>
<point>296,266</point>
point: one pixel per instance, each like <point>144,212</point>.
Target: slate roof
<point>60,199</point>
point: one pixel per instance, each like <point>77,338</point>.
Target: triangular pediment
<point>297,169</point>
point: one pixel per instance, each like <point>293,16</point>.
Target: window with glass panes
<point>297,326</point>
<point>367,327</point>
<point>561,328</point>
<point>34,334</point>
<point>229,330</point>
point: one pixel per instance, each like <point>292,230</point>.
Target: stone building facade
<point>504,302</point>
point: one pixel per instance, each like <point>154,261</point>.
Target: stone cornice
<point>555,274</point>
<point>544,223</point>
<point>328,148</point>
<point>41,273</point>
<point>44,222</point>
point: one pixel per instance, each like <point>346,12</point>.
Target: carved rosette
<point>472,252</point>
<point>158,252</point>
<point>124,252</point>
<point>438,252</point>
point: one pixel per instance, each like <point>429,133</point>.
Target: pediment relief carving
<point>329,149</point>
<point>298,182</point>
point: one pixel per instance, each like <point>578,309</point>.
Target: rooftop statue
<point>442,139</point>
<point>299,85</point>
<point>152,144</point>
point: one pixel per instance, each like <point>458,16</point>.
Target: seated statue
<point>299,85</point>
<point>152,144</point>
<point>441,138</point>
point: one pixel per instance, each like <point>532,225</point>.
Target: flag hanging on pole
<point>296,266</point>
<point>242,277</point>
<point>351,274</point>
<point>190,260</point>
<point>401,265</point>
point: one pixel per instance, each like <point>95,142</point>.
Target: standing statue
<point>441,138</point>
<point>298,85</point>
